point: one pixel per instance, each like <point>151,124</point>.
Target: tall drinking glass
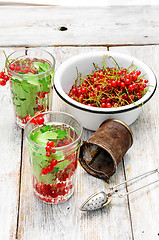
<point>53,140</point>
<point>31,74</point>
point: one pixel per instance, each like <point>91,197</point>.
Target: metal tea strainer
<point>101,199</point>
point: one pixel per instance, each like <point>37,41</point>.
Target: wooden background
<point>133,30</point>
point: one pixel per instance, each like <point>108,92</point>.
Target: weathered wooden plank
<point>143,156</point>
<point>65,221</point>
<point>77,3</point>
<point>26,26</point>
<point>10,157</point>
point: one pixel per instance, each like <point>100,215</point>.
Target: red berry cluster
<point>39,120</point>
<point>49,150</point>
<point>53,162</point>
<point>62,175</point>
<point>41,95</point>
<point>20,66</point>
<point>50,167</point>
<point>3,78</point>
<point>109,87</point>
<point>52,190</point>
<point>61,187</point>
<point>23,66</point>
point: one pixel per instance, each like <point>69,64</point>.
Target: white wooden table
<point>133,30</point>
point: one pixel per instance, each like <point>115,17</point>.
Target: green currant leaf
<point>43,66</point>
<point>61,133</point>
<point>35,135</point>
<point>47,127</point>
<point>56,169</point>
<point>59,156</point>
<point>32,79</point>
<point>48,135</point>
<point>47,178</point>
<point>63,165</point>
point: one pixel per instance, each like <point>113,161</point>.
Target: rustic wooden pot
<point>104,150</point>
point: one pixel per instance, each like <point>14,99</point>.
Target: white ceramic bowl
<point>92,117</point>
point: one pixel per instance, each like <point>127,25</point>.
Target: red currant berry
<point>134,77</point>
<point>114,83</point>
<point>48,154</point>
<point>103,105</point>
<point>138,72</point>
<point>109,85</point>
<point>53,150</point>
<point>17,68</point>
<point>127,76</point>
<point>121,78</point>
<point>141,89</point>
<point>119,72</point>
<point>50,168</point>
<point>44,171</point>
<point>81,98</point>
<point>108,100</point>
<point>108,105</point>
<point>73,98</point>
<point>48,148</point>
<point>125,96</point>
<point>103,99</point>
<point>134,85</point>
<point>130,87</point>
<point>40,107</point>
<point>74,91</point>
<point>79,91</point>
<point>83,90</point>
<point>2,75</point>
<point>53,162</point>
<point>12,67</point>
<point>131,97</point>
<point>122,84</point>
<point>119,83</point>
<point>2,83</point>
<point>28,118</point>
<point>40,120</point>
<point>33,121</point>
<point>127,81</point>
<point>6,78</point>
<point>50,144</point>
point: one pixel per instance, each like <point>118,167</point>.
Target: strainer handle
<point>134,178</point>
<point>135,190</point>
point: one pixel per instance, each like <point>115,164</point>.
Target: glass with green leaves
<point>53,140</point>
<point>31,74</point>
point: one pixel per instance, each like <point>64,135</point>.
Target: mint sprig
<point>25,90</point>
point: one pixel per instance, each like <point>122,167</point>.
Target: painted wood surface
<point>80,3</point>
<point>143,156</point>
<point>23,216</point>
<point>112,25</point>
<point>10,160</point>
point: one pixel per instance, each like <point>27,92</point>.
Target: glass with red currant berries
<point>53,140</point>
<point>31,74</point>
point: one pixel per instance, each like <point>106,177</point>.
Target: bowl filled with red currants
<point>102,85</point>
